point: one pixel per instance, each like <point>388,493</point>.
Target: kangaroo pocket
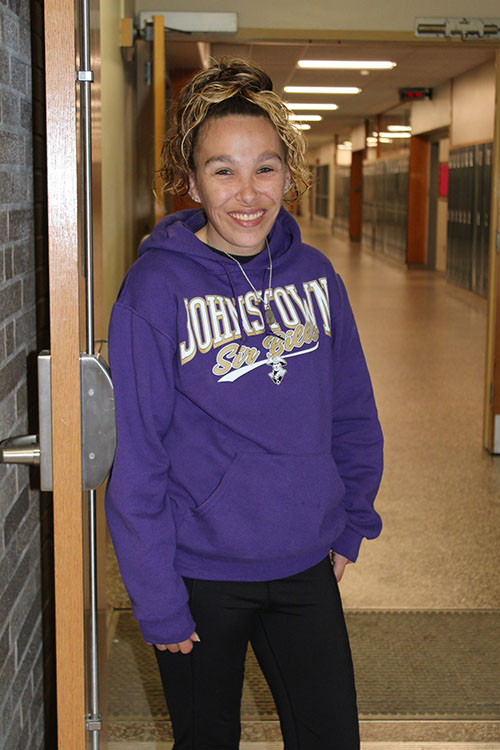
<point>266,506</point>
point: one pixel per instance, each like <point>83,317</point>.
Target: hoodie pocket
<point>265,506</point>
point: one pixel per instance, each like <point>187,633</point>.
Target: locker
<point>385,206</point>
<point>469,196</point>
<point>342,187</point>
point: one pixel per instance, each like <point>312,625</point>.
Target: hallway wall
<point>473,106</point>
<point>118,156</point>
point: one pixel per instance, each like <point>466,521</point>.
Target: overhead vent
<point>191,22</point>
<point>454,28</point>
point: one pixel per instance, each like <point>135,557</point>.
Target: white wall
<point>344,158</point>
<point>391,15</point>
<point>117,157</point>
<point>432,114</point>
<point>473,106</point>
<point>358,135</point>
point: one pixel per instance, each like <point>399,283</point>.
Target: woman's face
<point>239,179</point>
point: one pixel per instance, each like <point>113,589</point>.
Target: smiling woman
<point>240,190</point>
<point>249,449</point>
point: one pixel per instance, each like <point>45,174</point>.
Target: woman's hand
<point>339,562</point>
<point>185,647</point>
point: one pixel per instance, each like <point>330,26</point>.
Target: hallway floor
<point>438,557</point>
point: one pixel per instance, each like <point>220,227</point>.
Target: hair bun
<point>249,77</point>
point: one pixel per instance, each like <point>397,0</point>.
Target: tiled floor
<point>425,343</point>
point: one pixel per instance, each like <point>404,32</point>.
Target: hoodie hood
<point>177,233</point>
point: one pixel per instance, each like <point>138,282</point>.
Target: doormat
<point>426,664</point>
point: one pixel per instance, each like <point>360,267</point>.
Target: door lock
<point>97,425</point>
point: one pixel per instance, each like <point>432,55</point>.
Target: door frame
<point>65,336</point>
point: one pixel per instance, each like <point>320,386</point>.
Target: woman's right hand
<point>185,647</point>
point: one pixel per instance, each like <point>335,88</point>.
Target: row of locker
<point>469,196</point>
<point>385,206</point>
<point>342,197</point>
<point>385,210</point>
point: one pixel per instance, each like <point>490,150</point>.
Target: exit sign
<point>414,94</point>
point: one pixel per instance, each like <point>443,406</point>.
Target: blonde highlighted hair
<point>229,87</point>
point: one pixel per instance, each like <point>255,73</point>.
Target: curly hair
<point>229,87</point>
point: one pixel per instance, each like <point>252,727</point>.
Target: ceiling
<point>426,65</point>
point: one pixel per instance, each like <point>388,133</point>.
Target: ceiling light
<point>399,128</point>
<point>304,118</point>
<point>322,90</point>
<point>310,105</point>
<point>347,64</point>
<point>395,135</point>
<point>301,126</point>
<point>385,140</point>
<point>346,146</point>
<point>371,141</point>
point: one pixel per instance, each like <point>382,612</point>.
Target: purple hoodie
<point>246,448</point>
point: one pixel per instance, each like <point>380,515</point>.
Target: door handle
<point>20,450</point>
<point>97,425</point>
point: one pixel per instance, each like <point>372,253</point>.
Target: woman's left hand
<point>339,562</point>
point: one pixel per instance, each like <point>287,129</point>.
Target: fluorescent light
<point>371,141</point>
<point>310,105</point>
<point>305,118</point>
<point>394,135</point>
<point>399,128</point>
<point>385,140</point>
<point>346,146</point>
<point>301,126</point>
<point>347,64</point>
<point>322,90</point>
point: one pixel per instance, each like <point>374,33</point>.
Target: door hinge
<point>93,723</point>
<point>85,76</point>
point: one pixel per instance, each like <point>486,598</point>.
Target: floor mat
<point>409,665</point>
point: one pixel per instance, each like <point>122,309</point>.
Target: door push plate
<point>98,420</point>
<point>98,428</point>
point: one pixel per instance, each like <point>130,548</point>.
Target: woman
<point>249,449</point>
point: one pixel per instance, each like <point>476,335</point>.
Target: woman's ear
<point>193,192</point>
<point>288,181</point>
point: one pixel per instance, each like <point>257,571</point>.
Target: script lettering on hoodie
<point>215,321</point>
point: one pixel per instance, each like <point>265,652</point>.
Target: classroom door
<point>67,286</point>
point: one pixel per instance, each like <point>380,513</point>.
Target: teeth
<point>247,217</point>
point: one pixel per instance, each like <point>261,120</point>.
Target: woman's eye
<point>223,171</point>
<point>265,170</point>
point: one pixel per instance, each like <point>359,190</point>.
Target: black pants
<point>297,629</point>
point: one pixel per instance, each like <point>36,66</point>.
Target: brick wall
<point>26,591</point>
